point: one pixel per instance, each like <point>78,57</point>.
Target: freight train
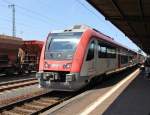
<point>17,55</point>
<point>72,58</point>
<point>30,55</point>
<point>9,47</point>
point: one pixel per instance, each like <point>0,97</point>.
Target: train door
<point>89,64</point>
<point>101,65</point>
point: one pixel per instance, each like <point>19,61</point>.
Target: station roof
<point>132,17</point>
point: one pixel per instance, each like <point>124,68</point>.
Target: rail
<point>18,83</point>
<point>35,105</point>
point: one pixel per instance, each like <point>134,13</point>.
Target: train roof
<point>109,39</point>
<point>75,28</point>
<point>83,28</point>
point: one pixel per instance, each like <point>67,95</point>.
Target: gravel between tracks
<point>4,78</point>
<point>19,93</point>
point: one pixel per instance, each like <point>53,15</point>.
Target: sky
<point>36,18</point>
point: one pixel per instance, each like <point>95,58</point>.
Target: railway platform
<point>130,96</point>
<point>135,100</point>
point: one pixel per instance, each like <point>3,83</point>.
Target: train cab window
<point>90,54</point>
<point>62,46</point>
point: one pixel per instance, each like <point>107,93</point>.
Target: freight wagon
<point>9,47</point>
<point>18,56</point>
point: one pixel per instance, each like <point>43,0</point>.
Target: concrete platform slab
<point>135,100</point>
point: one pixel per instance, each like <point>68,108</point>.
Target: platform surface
<point>132,98</point>
<point>135,100</point>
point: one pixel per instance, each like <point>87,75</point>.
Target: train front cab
<point>92,58</point>
<point>59,67</point>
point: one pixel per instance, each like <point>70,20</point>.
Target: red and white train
<point>71,58</point>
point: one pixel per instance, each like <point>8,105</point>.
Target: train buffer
<point>130,96</point>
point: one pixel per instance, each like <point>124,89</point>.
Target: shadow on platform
<point>135,100</point>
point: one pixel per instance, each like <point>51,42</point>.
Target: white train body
<point>71,58</point>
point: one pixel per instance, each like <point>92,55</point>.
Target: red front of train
<point>61,60</point>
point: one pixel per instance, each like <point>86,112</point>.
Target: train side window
<point>106,50</point>
<point>124,59</point>
<point>90,54</point>
<point>111,52</point>
<point>101,51</point>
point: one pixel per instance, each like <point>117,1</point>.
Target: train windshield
<point>62,45</point>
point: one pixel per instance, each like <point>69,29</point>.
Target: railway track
<point>41,102</point>
<point>17,83</point>
<point>36,104</point>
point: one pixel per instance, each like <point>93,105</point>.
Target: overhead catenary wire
<point>26,28</point>
<point>21,24</point>
<point>2,5</point>
<point>82,4</point>
<point>46,6</point>
<point>29,12</point>
<point>93,13</point>
<point>40,16</point>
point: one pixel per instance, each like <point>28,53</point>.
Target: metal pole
<point>13,19</point>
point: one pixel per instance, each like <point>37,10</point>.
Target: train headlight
<point>70,77</point>
<point>67,66</point>
<point>46,76</point>
<point>46,65</point>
